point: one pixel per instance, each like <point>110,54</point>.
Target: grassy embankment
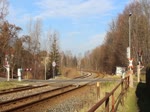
<point>130,104</point>
<point>134,101</point>
<point>131,101</point>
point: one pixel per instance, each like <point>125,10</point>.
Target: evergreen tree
<point>54,57</point>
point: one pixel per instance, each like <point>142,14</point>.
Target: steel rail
<point>35,97</point>
<point>19,89</point>
<point>32,104</point>
<point>29,87</point>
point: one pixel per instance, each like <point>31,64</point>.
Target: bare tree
<point>35,32</point>
<point>3,9</point>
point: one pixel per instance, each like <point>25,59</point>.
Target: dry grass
<point>92,96</point>
<point>80,101</point>
<point>10,84</point>
<point>130,102</point>
<point>70,72</point>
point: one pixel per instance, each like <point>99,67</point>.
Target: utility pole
<point>129,55</point>
<point>130,33</point>
<point>129,44</point>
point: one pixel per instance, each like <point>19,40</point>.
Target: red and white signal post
<point>7,66</point>
<point>130,64</point>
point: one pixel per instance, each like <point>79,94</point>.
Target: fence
<point>115,103</point>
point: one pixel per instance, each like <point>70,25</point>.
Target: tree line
<point>113,52</point>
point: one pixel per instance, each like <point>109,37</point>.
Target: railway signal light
<point>28,69</point>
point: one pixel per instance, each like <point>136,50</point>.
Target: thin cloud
<point>74,33</point>
<point>73,8</point>
<point>93,42</point>
<point>18,16</point>
<point>88,45</point>
<point>96,39</point>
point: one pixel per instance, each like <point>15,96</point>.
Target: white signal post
<point>19,74</point>
<point>8,72</point>
<point>7,66</point>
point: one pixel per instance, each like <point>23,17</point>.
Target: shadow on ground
<point>143,97</point>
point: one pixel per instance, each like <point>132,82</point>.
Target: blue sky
<point>82,24</point>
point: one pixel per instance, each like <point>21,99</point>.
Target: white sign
<point>54,64</point>
<point>19,74</point>
<point>120,70</point>
<point>130,63</point>
<point>128,52</point>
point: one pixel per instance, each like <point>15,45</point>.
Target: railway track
<point>30,87</point>
<point>24,102</point>
<point>15,93</point>
<point>20,104</point>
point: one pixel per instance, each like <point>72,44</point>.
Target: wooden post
<point>98,91</point>
<point>122,92</point>
<point>122,85</point>
<point>113,102</point>
<point>107,103</point>
<point>128,81</point>
<point>131,78</point>
<point>138,73</point>
<point>126,86</point>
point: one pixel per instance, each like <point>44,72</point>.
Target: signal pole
<point>129,54</point>
<point>130,34</point>
<point>129,39</point>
